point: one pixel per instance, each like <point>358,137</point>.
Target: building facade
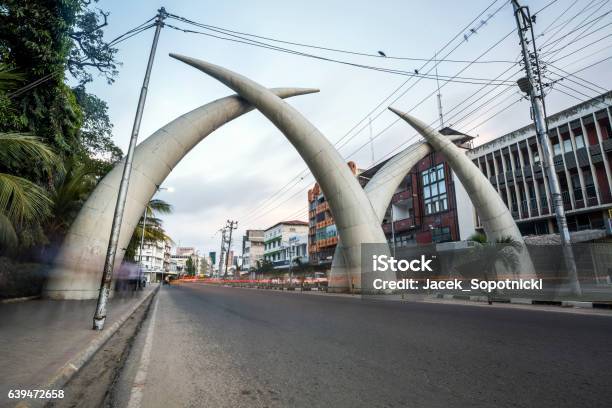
<point>286,241</point>
<point>252,248</point>
<point>322,233</point>
<point>180,257</point>
<point>429,206</point>
<point>155,259</point>
<point>581,141</point>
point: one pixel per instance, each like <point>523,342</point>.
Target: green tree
<point>487,257</point>
<point>23,204</point>
<point>190,267</point>
<point>68,194</point>
<point>96,133</point>
<point>153,228</point>
<point>41,40</point>
<point>264,266</point>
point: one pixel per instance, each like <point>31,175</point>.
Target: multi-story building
<point>285,241</point>
<point>430,205</point>
<point>155,259</point>
<point>581,141</point>
<point>182,255</point>
<point>252,248</point>
<point>322,234</point>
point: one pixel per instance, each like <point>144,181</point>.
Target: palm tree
<point>153,228</point>
<point>488,257</point>
<point>22,202</point>
<point>71,189</point>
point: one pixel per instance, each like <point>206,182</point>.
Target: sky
<point>237,171</point>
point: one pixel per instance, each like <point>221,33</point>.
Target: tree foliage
<point>152,228</point>
<point>23,204</point>
<point>41,41</point>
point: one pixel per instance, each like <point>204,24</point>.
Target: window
<point>536,155</point>
<point>517,161</point>
<point>556,148</point>
<point>589,185</point>
<point>567,145</point>
<point>441,234</point>
<point>579,141</point>
<point>434,190</point>
<point>576,185</point>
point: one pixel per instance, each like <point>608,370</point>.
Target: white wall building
<point>286,241</point>
<point>252,248</point>
<point>155,259</point>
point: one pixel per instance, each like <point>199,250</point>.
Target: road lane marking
<point>140,379</point>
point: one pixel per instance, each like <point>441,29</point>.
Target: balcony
<point>322,207</point>
<point>607,145</point>
<point>583,157</point>
<point>399,226</point>
<point>596,156</point>
<point>403,196</point>
<point>570,160</point>
<point>567,201</point>
<point>558,161</point>
<point>524,209</point>
<point>327,242</point>
<point>528,172</point>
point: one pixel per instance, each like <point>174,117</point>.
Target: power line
<point>123,37</point>
<point>240,34</point>
<point>596,19</point>
<point>398,98</point>
<point>384,100</point>
<point>464,80</point>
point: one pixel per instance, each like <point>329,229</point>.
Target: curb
<point>19,299</point>
<point>64,374</point>
<point>522,301</point>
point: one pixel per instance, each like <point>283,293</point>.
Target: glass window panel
<point>567,145</point>
<point>433,177</point>
<point>426,192</point>
<point>441,173</point>
<point>434,189</point>
<point>579,141</point>
<point>425,178</point>
<point>441,187</point>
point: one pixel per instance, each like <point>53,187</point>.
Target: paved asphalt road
<point>228,347</point>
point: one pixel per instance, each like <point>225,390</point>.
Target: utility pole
<point>144,227</point>
<point>231,225</point>
<point>533,87</point>
<point>223,230</point>
<point>107,274</point>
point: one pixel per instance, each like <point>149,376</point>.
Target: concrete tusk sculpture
<point>78,266</point>
<point>381,188</point>
<point>494,215</point>
<point>355,218</point>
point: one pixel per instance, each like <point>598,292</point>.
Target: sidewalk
<point>39,337</point>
